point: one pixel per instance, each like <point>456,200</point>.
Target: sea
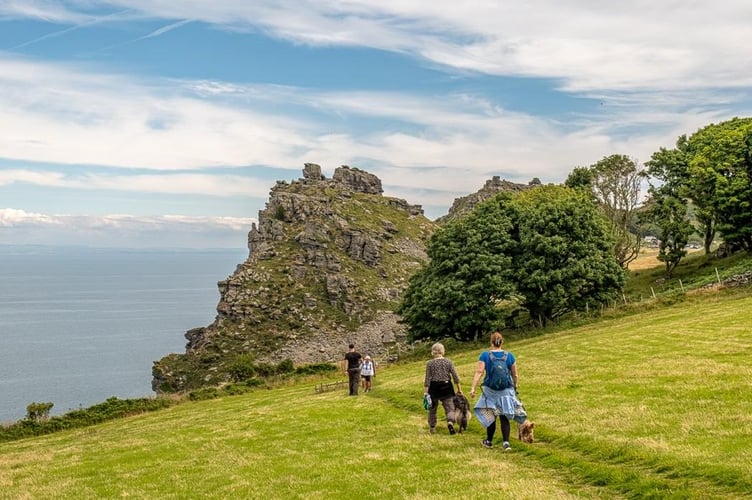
<point>80,325</point>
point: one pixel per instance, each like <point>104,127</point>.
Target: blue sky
<point>165,123</point>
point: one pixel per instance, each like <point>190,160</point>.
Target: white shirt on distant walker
<point>366,369</point>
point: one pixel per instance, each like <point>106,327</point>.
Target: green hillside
<point>651,405</point>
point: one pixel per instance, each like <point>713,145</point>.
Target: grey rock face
<point>328,261</point>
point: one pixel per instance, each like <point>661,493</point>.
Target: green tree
<point>563,258</point>
<point>720,178</point>
<point>669,213</point>
<point>667,206</point>
<point>616,183</point>
<point>454,295</point>
<point>580,178</point>
<point>548,247</point>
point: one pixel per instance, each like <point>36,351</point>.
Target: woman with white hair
<point>440,373</point>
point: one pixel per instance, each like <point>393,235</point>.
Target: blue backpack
<point>499,376</point>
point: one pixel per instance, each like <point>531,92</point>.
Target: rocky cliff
<point>327,264</point>
<point>465,204</point>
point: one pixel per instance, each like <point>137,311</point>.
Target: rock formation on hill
<point>327,264</point>
<point>495,185</point>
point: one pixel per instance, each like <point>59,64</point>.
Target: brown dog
<point>462,412</point>
<point>525,431</point>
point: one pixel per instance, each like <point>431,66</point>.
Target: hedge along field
<point>652,405</point>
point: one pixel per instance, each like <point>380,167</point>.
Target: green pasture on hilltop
<point>649,405</point>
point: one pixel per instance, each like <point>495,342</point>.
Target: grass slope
<point>655,405</point>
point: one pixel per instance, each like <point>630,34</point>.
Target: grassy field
<point>655,405</point>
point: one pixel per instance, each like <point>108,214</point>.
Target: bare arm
<point>478,374</point>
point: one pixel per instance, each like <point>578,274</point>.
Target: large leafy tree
<point>548,245</point>
<point>720,178</point>
<point>455,294</point>
<point>616,183</point>
<point>563,258</point>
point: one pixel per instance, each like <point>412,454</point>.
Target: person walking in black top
<point>440,373</point>
<point>353,359</point>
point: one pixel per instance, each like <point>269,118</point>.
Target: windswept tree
<point>615,184</point>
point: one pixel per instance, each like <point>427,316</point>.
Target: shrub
<point>38,412</point>
<point>110,409</point>
<point>315,369</point>
<point>205,393</point>
<point>286,366</point>
<point>241,368</point>
<point>265,369</point>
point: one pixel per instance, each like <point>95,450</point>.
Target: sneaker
<point>450,426</point>
<point>506,446</point>
<point>486,443</point>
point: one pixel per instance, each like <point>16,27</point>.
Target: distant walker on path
<point>367,372</point>
<point>353,360</point>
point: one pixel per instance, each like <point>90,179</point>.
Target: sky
<point>164,123</point>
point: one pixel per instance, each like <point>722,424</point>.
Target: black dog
<point>462,411</point>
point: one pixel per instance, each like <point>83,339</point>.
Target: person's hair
<point>352,346</point>
<point>496,339</point>
<point>437,349</point>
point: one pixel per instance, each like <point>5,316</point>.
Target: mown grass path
<point>657,405</point>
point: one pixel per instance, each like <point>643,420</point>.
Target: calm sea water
<point>78,326</point>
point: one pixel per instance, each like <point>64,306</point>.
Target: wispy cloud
<point>72,115</point>
<point>641,44</point>
<point>658,70</point>
<point>123,231</point>
<point>220,185</point>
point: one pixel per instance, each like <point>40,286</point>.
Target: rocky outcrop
<point>358,180</point>
<point>465,204</point>
<point>328,261</point>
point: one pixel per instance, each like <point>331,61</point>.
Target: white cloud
<point>125,231</point>
<point>661,69</point>
<point>589,45</point>
<point>63,114</point>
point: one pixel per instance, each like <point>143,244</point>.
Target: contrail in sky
<point>68,30</point>
<point>165,29</point>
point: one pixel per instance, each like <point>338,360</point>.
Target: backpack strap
<point>491,356</point>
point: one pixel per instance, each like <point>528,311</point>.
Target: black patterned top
<point>440,370</point>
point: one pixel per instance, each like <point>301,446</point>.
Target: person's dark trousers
<point>506,429</point>
<point>354,375</point>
